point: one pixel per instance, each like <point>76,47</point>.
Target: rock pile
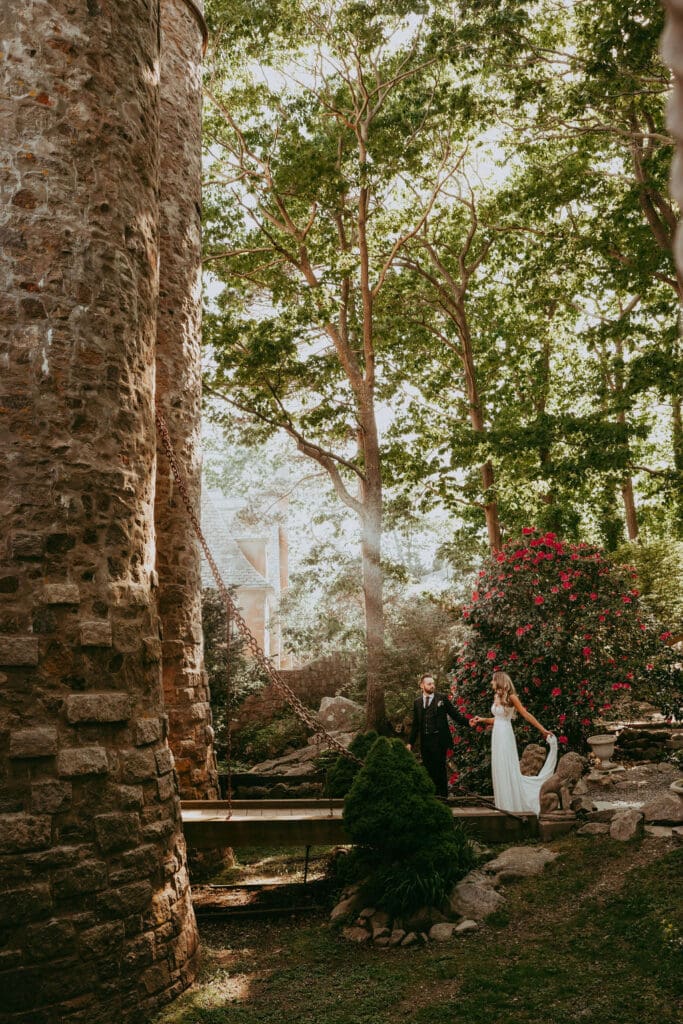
<point>472,899</point>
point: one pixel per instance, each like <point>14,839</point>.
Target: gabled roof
<point>236,570</point>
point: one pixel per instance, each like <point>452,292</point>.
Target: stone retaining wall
<point>325,677</point>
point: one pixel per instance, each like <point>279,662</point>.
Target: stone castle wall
<point>96,924</point>
<point>178,384</point>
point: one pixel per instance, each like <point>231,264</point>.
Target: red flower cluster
<point>544,608</point>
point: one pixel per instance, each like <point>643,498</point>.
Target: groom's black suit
<point>431,725</point>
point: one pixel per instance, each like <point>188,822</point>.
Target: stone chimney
<point>96,922</point>
<point>178,382</point>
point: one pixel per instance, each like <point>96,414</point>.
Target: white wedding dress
<point>513,791</point>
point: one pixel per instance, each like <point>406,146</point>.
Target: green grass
<point>593,940</point>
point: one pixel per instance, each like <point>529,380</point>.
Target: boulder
<point>519,862</point>
<point>475,897</point>
<point>594,828</point>
<point>466,926</point>
<point>345,909</point>
<point>410,939</point>
<point>422,920</point>
<point>339,714</point>
<point>379,924</point>
<point>666,809</point>
<point>356,934</point>
<point>397,937</point>
<point>441,932</point>
<point>626,825</point>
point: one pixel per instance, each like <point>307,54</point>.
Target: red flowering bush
<point>567,626</point>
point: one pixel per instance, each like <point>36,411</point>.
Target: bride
<point>513,791</point>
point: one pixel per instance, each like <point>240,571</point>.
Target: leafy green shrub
<point>659,565</point>
<point>256,743</point>
<point>407,840</point>
<point>342,770</point>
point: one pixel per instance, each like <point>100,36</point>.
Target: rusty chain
<point>231,608</point>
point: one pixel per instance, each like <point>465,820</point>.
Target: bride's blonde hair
<point>504,687</point>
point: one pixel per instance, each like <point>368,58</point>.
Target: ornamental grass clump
<point>409,849</point>
<point>568,626</point>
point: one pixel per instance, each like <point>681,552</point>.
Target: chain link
<point>250,640</point>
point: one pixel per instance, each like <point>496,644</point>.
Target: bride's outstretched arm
<point>516,702</point>
<point>476,720</point>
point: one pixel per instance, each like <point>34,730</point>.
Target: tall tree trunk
<point>630,509</point>
<point>477,421</point>
<point>677,439</point>
<point>628,497</point>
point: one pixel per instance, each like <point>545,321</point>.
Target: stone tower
<point>179,396</point>
<point>96,923</point>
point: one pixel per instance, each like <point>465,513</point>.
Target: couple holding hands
<point>512,791</point>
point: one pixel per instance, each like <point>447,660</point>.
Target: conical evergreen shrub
<point>409,847</point>
<point>342,770</point>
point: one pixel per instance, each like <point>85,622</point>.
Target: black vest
<point>430,725</point>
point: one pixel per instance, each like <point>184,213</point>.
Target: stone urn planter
<point>603,747</point>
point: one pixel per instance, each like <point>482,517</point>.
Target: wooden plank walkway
<point>317,823</point>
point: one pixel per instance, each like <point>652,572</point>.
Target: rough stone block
<point>50,797</point>
<point>82,761</point>
<point>166,787</point>
<point>151,650</point>
<point>130,797</point>
<point>128,899</point>
<point>156,978</point>
<point>101,942</point>
<point>17,906</point>
<point>18,650</point>
<point>164,760</point>
<point>40,742</point>
<point>89,876</point>
<point>138,765</point>
<point>99,707</point>
<point>96,634</point>
<point>61,593</point>
<point>20,832</point>
<point>116,831</point>
<point>27,545</point>
<point>50,939</point>
<point>144,860</point>
<point>148,730</point>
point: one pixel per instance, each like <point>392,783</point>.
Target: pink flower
<point>585,721</point>
<point>500,557</point>
<point>593,597</point>
<point>562,718</point>
<point>491,655</point>
<point>554,590</point>
<point>664,636</point>
<point>475,595</point>
<point>554,668</point>
<point>538,599</point>
<point>562,739</point>
<point>528,529</point>
<point>556,692</point>
<point>572,597</point>
<point>454,778</point>
<point>586,651</point>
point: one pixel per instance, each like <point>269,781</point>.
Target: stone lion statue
<point>556,792</point>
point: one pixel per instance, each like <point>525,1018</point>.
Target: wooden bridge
<point>207,824</point>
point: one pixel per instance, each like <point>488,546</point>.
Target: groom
<point>430,722</point>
